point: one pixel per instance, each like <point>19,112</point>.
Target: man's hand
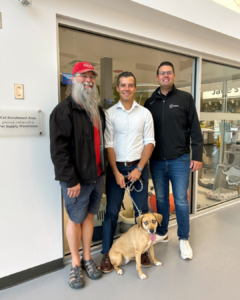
<point>195,165</point>
<point>134,175</point>
<point>120,179</point>
<point>74,191</point>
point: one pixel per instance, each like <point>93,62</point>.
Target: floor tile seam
<point>214,210</point>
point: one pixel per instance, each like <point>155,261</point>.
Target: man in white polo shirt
<point>129,140</point>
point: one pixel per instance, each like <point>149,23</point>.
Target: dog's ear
<point>159,218</point>
<point>139,221</point>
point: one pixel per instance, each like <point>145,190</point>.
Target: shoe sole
<point>186,257</point>
<point>76,287</point>
<point>162,241</point>
<point>105,272</point>
<point>148,266</point>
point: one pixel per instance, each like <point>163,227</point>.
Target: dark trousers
<point>114,200</point>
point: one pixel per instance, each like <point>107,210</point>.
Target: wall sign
<point>20,122</point>
<point>218,93</point>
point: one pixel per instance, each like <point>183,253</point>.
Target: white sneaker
<point>161,238</point>
<point>186,250</point>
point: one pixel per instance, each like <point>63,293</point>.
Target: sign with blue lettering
<point>67,78</point>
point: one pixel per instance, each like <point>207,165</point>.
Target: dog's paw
<point>120,272</point>
<point>158,264</point>
<point>143,276</point>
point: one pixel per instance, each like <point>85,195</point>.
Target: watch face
<point>139,169</point>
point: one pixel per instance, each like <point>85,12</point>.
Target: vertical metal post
<point>224,93</point>
<point>197,81</point>
<point>222,144</point>
<point>106,80</point>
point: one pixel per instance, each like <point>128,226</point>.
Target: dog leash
<point>132,187</point>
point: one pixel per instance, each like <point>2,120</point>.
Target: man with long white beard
<point>76,134</point>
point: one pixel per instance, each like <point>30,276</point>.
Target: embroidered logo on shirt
<point>171,106</point>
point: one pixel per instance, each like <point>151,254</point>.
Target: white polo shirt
<point>128,131</point>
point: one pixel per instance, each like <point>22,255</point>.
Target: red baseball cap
<point>82,67</point>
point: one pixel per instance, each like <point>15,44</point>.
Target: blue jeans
<point>115,196</point>
<point>177,171</point>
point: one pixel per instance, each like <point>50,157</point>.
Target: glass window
<point>212,100</point>
<point>219,178</point>
<point>111,57</point>
<point>233,96</point>
<point>220,90</point>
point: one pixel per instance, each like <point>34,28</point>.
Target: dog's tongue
<point>152,237</point>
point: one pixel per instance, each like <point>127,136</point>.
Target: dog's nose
<point>151,230</point>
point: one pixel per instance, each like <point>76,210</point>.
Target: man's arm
<point>195,165</point>
<point>109,142</point>
<point>149,142</point>
<point>196,137</point>
<point>60,134</point>
<point>112,161</point>
<point>74,191</point>
<point>146,154</point>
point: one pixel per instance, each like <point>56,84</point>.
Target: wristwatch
<point>139,168</point>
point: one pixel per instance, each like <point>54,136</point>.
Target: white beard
<point>89,99</point>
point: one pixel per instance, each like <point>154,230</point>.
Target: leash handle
<point>139,211</point>
<point>131,188</point>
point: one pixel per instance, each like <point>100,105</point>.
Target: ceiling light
<point>237,2</point>
<point>230,4</point>
<point>25,3</point>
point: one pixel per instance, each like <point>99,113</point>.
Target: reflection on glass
<point>220,89</point>
<point>211,97</point>
<point>110,58</point>
<point>219,178</point>
<point>233,96</point>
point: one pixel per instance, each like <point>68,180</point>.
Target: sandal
<point>76,280</point>
<point>93,270</point>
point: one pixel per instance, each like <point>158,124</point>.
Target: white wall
<point>202,12</point>
<point>30,202</point>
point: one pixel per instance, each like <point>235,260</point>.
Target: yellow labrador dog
<point>137,240</point>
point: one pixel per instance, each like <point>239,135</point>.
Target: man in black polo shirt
<point>175,122</point>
